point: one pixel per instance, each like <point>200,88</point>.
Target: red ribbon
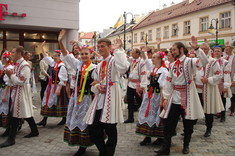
<point>103,70</point>
<point>177,64</point>
<point>150,95</point>
<point>56,75</point>
<point>48,92</point>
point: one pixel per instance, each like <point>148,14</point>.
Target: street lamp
<point>132,22</point>
<point>211,29</point>
<point>94,40</point>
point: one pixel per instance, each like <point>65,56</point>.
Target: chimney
<point>164,6</point>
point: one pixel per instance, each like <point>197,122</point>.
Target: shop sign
<point>4,12</point>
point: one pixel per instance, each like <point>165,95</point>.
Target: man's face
<point>205,49</point>
<point>175,52</point>
<point>15,56</point>
<point>134,54</point>
<point>228,50</point>
<point>217,53</point>
<point>75,50</point>
<point>103,48</point>
<point>149,55</point>
<point>27,56</point>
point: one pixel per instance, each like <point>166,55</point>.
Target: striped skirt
<point>153,131</point>
<point>58,110</point>
<point>76,137</point>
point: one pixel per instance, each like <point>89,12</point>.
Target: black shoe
<point>42,123</point>
<point>208,133</point>
<point>185,150</point>
<point>163,151</point>
<point>7,143</point>
<point>147,140</point>
<point>222,120</point>
<point>62,122</point>
<point>81,151</point>
<point>159,141</point>
<point>30,135</point>
<point>129,121</point>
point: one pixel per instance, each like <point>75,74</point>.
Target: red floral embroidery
<point>168,79</point>
<point>226,72</point>
<point>110,83</point>
<point>143,73</point>
<point>22,78</point>
<point>217,72</point>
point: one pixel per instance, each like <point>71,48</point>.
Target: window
<point>150,38</point>
<point>204,24</point>
<point>1,34</point>
<point>135,38</point>
<point>187,27</point>
<point>175,30</point>
<point>166,32</point>
<point>12,35</point>
<point>225,20</point>
<point>141,36</point>
<point>158,35</point>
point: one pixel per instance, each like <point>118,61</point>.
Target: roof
<point>179,9</point>
<point>120,30</point>
<point>88,35</point>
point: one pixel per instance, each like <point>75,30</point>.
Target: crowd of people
<point>87,90</point>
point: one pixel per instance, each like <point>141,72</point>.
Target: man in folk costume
<point>207,80</point>
<point>231,59</point>
<point>180,95</point>
<point>137,82</point>
<point>105,110</point>
<point>225,82</point>
<point>21,97</point>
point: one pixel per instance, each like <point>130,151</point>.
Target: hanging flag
<point>119,22</point>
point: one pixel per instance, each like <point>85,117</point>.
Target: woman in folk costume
<point>225,82</point>
<point>55,100</point>
<point>76,131</point>
<point>148,118</point>
<point>5,86</point>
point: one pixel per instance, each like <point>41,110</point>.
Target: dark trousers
<point>43,88</point>
<point>15,124</point>
<point>232,103</point>
<point>131,97</point>
<point>224,103</point>
<point>171,123</point>
<point>209,118</point>
<point>97,132</point>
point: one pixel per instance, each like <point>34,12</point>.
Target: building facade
<point>30,22</point>
<point>190,17</point>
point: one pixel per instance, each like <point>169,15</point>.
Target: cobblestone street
<point>50,141</point>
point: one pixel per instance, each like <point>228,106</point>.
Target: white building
<point>190,17</point>
<point>29,22</point>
